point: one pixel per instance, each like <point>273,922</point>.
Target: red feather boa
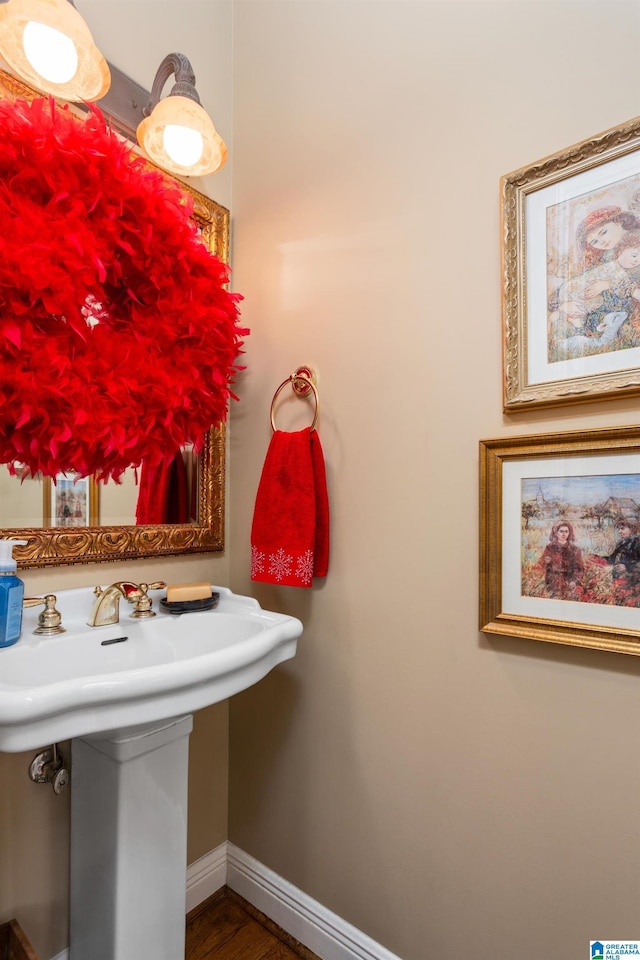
<point>118,339</point>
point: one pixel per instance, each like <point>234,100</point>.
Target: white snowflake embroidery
<point>304,567</point>
<point>257,561</point>
<point>280,564</point>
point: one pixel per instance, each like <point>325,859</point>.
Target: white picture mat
<point>513,472</point>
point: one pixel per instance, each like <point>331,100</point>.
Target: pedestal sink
<point>126,704</point>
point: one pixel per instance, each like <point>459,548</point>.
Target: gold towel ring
<point>302,386</point>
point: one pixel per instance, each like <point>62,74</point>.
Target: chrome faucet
<point>106,609</point>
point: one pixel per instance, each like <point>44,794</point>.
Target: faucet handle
<point>143,602</point>
<point>50,620</point>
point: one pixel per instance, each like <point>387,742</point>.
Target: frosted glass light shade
<point>166,150</point>
<point>37,63</point>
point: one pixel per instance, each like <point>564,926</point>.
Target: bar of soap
<point>188,591</point>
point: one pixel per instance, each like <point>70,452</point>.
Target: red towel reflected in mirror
<point>163,495</point>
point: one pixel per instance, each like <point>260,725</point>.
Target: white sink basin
<point>75,685</point>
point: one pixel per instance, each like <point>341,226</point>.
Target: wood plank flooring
<point>226,927</point>
<point>13,943</point>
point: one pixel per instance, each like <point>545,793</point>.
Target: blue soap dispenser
<point>11,594</point>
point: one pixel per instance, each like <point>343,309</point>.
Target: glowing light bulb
<point>51,53</point>
<point>183,144</point>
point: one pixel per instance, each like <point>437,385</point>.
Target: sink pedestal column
<point>129,843</point>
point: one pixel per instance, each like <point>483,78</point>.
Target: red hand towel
<point>290,531</point>
<point>162,494</point>
<point>152,493</point>
<point>177,509</point>
<point>321,552</point>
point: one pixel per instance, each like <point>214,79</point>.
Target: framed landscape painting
<point>71,501</point>
<point>571,274</point>
<point>560,538</point>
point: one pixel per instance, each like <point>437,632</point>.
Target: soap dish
<point>190,606</point>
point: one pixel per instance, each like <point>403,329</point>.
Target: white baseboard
<point>303,918</point>
<point>317,928</point>
<point>206,875</point>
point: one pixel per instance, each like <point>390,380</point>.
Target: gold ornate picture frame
<point>72,501</point>
<point>560,538</point>
<point>571,274</point>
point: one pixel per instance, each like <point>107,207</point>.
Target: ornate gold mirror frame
<point>61,545</point>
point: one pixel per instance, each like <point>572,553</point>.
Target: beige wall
<point>448,794</point>
<point>21,503</point>
<point>34,823</point>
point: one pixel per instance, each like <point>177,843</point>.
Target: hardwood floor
<point>226,927</point>
<point>13,943</point>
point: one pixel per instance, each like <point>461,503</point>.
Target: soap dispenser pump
<point>11,594</point>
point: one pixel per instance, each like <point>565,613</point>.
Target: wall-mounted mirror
<point>97,522</point>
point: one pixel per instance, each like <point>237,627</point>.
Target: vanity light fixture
<point>177,133</point>
<point>48,44</point>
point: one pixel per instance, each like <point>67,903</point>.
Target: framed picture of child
<point>71,501</point>
<point>560,538</point>
<point>571,274</point>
